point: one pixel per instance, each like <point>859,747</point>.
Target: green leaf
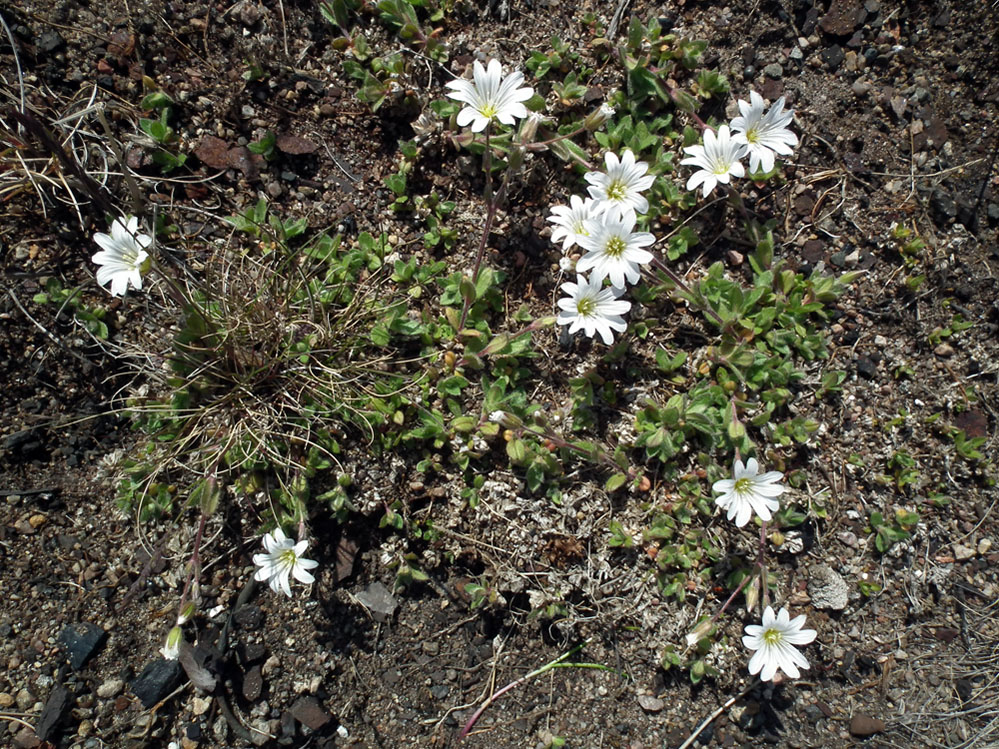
<point>615,482</point>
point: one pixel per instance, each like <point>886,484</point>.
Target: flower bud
<point>529,127</point>
<point>702,630</point>
<point>596,119</point>
<point>186,613</point>
<point>171,649</point>
<point>506,420</point>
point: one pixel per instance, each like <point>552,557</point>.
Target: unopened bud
<point>699,632</point>
<point>186,613</point>
<point>506,420</point>
<point>171,649</point>
<point>596,119</point>
<point>529,127</point>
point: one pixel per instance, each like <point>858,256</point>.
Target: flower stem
<point>660,265</point>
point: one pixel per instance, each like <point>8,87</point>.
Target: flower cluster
<point>603,225</point>
<point>748,492</point>
<point>761,135</point>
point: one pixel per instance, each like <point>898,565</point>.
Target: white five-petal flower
<point>592,309</point>
<point>123,257</point>
<point>283,559</point>
<point>765,135</point>
<point>570,220</point>
<point>490,96</point>
<point>618,189</point>
<point>774,643</point>
<point>718,160</point>
<point>747,492</point>
<point>614,250</point>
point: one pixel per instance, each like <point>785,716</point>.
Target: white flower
<point>614,251</point>
<point>570,220</point>
<point>718,159</point>
<point>618,191</point>
<point>774,643</point>
<point>490,96</point>
<point>766,135</point>
<point>592,309</point>
<point>283,558</point>
<point>123,257</point>
<point>747,492</point>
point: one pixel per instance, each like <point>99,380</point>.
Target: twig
<point>707,721</point>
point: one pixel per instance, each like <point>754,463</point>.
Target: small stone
<point>378,600</point>
<point>866,367</point>
<point>853,61</point>
<point>773,70</point>
<point>81,642</point>
<point>110,688</point>
<point>827,588</point>
<point>156,681</point>
<point>36,521</point>
<point>735,258</point>
<point>864,725</point>
<point>24,700</point>
<point>6,700</point>
<point>200,705</point>
<point>310,713</point>
<point>56,708</point>
<point>944,350</point>
<point>942,206</point>
<point>984,545</point>
<point>833,56</point>
<point>842,17</point>
<point>963,553</point>
<point>249,617</point>
<point>650,704</point>
<point>253,684</point>
<point>51,41</point>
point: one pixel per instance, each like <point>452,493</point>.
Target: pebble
<point>24,700</point>
<point>6,700</point>
<point>860,87</point>
<point>110,688</point>
<point>650,704</point>
<point>963,553</point>
<point>827,588</point>
<point>864,725</point>
<point>774,70</point>
<point>944,350</point>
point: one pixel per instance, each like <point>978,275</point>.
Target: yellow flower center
<point>772,636</point>
<point>289,557</point>
<point>586,307</point>
<point>617,190</point>
<point>488,110</point>
<point>742,486</point>
<point>615,246</point>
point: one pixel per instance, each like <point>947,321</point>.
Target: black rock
<point>309,712</point>
<point>253,684</point>
<point>833,56</point>
<point>249,617</point>
<point>156,681</point>
<point>56,707</point>
<point>992,211</point>
<point>82,641</point>
<point>867,368</point>
<point>50,41</point>
<point>942,206</point>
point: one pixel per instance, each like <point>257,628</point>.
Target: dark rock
<point>56,707</point>
<point>813,250</point>
<point>811,21</point>
<point>50,42</point>
<point>17,439</point>
<point>310,713</point>
<point>249,617</point>
<point>867,368</point>
<point>287,736</point>
<point>842,17</point>
<point>833,56</point>
<point>81,642</point>
<point>440,691</point>
<point>156,681</point>
<point>254,652</point>
<point>967,216</point>
<point>253,684</point>
<point>992,210</point>
<point>972,423</point>
<point>26,739</point>
<point>942,20</point>
<point>942,206</point>
<point>838,259</point>
<point>864,725</point>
